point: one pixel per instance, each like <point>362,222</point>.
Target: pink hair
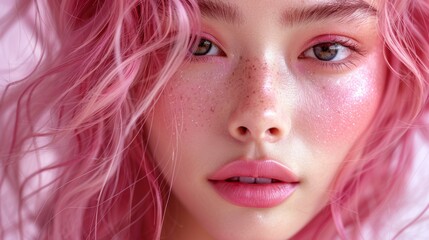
<point>113,61</point>
<point>87,99</point>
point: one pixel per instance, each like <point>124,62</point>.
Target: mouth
<point>256,184</point>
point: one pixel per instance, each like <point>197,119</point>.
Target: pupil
<point>326,51</point>
<point>203,47</point>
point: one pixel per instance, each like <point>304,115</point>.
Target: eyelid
<point>330,38</point>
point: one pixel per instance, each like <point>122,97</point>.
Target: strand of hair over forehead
<point>112,61</point>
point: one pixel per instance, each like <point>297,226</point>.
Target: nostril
<point>274,131</point>
<point>242,130</point>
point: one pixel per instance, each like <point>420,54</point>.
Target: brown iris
<point>326,51</point>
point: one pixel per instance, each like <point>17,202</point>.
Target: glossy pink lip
<point>258,195</point>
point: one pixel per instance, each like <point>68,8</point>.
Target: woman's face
<point>251,132</point>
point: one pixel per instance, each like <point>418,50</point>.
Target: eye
<point>328,51</point>
<point>207,48</point>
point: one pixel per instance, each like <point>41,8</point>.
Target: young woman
<point>214,119</point>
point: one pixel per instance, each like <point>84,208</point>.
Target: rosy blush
<point>340,106</point>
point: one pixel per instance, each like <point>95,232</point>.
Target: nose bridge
<point>259,85</point>
<point>258,113</point>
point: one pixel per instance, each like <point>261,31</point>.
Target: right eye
<point>207,48</point>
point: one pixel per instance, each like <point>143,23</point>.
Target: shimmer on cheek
<point>342,107</point>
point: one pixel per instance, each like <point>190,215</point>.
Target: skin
<point>295,109</point>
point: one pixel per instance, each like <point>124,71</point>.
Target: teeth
<point>251,180</point>
<point>264,180</point>
<point>247,180</point>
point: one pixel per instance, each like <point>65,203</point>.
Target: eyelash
<point>348,63</point>
<point>342,42</point>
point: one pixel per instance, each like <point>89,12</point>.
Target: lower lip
<point>254,195</point>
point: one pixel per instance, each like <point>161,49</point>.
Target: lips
<point>259,184</point>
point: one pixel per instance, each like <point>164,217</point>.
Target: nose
<point>260,107</point>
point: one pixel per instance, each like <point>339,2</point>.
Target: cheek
<point>340,110</point>
<point>185,114</point>
<point>186,104</point>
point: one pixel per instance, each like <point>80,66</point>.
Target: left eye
<point>328,52</point>
<point>206,48</point>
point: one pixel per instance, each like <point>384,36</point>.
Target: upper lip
<point>256,169</point>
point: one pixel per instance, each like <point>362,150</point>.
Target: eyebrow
<point>220,10</point>
<point>343,10</point>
